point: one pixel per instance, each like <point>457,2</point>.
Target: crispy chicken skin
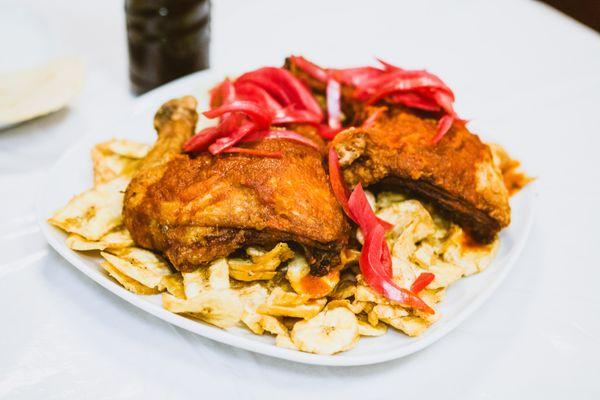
<point>196,209</point>
<point>457,174</point>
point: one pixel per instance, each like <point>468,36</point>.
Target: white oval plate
<point>72,174</point>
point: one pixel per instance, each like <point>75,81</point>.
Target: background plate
<point>72,174</point>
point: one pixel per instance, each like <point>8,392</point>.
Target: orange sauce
<point>515,181</point>
<point>318,286</point>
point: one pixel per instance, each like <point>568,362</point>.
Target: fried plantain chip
<point>445,274</point>
<point>115,158</point>
<point>372,318</point>
<point>262,266</point>
<point>386,312</point>
<point>107,166</point>
<point>273,325</point>
<point>218,274</point>
<point>130,284</point>
<point>356,307</point>
<point>174,285</point>
<point>252,297</point>
<point>345,288</point>
<point>281,297</point>
<point>411,325</point>
<point>330,332</point>
<point>305,311</point>
<point>195,282</point>
<point>126,148</point>
<point>116,239</point>
<point>349,257</point>
<point>215,276</point>
<point>290,304</point>
<point>366,329</point>
<point>222,308</point>
<point>470,259</point>
<point>285,341</point>
<point>365,293</point>
<point>139,264</point>
<point>95,212</point>
<point>404,272</point>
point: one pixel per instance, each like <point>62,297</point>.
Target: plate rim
<point>223,336</point>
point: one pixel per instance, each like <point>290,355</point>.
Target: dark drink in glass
<point>166,39</point>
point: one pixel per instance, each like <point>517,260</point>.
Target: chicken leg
<point>196,209</point>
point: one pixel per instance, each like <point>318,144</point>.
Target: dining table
<point>524,75</point>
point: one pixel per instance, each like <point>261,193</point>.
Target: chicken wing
<point>196,209</point>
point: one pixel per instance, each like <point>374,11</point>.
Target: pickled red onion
<point>334,112</point>
<point>411,88</point>
<point>254,102</point>
<point>424,279</point>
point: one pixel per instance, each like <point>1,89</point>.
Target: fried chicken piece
<point>457,174</point>
<point>196,209</point>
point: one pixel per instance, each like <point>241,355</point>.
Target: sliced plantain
<point>195,282</point>
<point>305,311</point>
<point>356,307</point>
<point>471,259</point>
<point>330,332</point>
<point>365,293</point>
<point>95,212</point>
<point>261,266</point>
<point>213,276</point>
<point>281,297</point>
<point>174,284</point>
<point>345,288</point>
<point>126,148</point>
<point>281,303</point>
<point>252,297</point>
<point>405,272</point>
<point>139,264</point>
<point>411,325</point>
<point>285,341</point>
<point>116,239</point>
<point>218,274</point>
<point>222,308</point>
<point>445,274</point>
<point>107,166</point>
<point>388,312</point>
<point>366,329</point>
<point>349,257</point>
<point>273,325</point>
<point>411,221</point>
<point>130,284</point>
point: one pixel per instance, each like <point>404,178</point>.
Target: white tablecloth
<point>517,66</point>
